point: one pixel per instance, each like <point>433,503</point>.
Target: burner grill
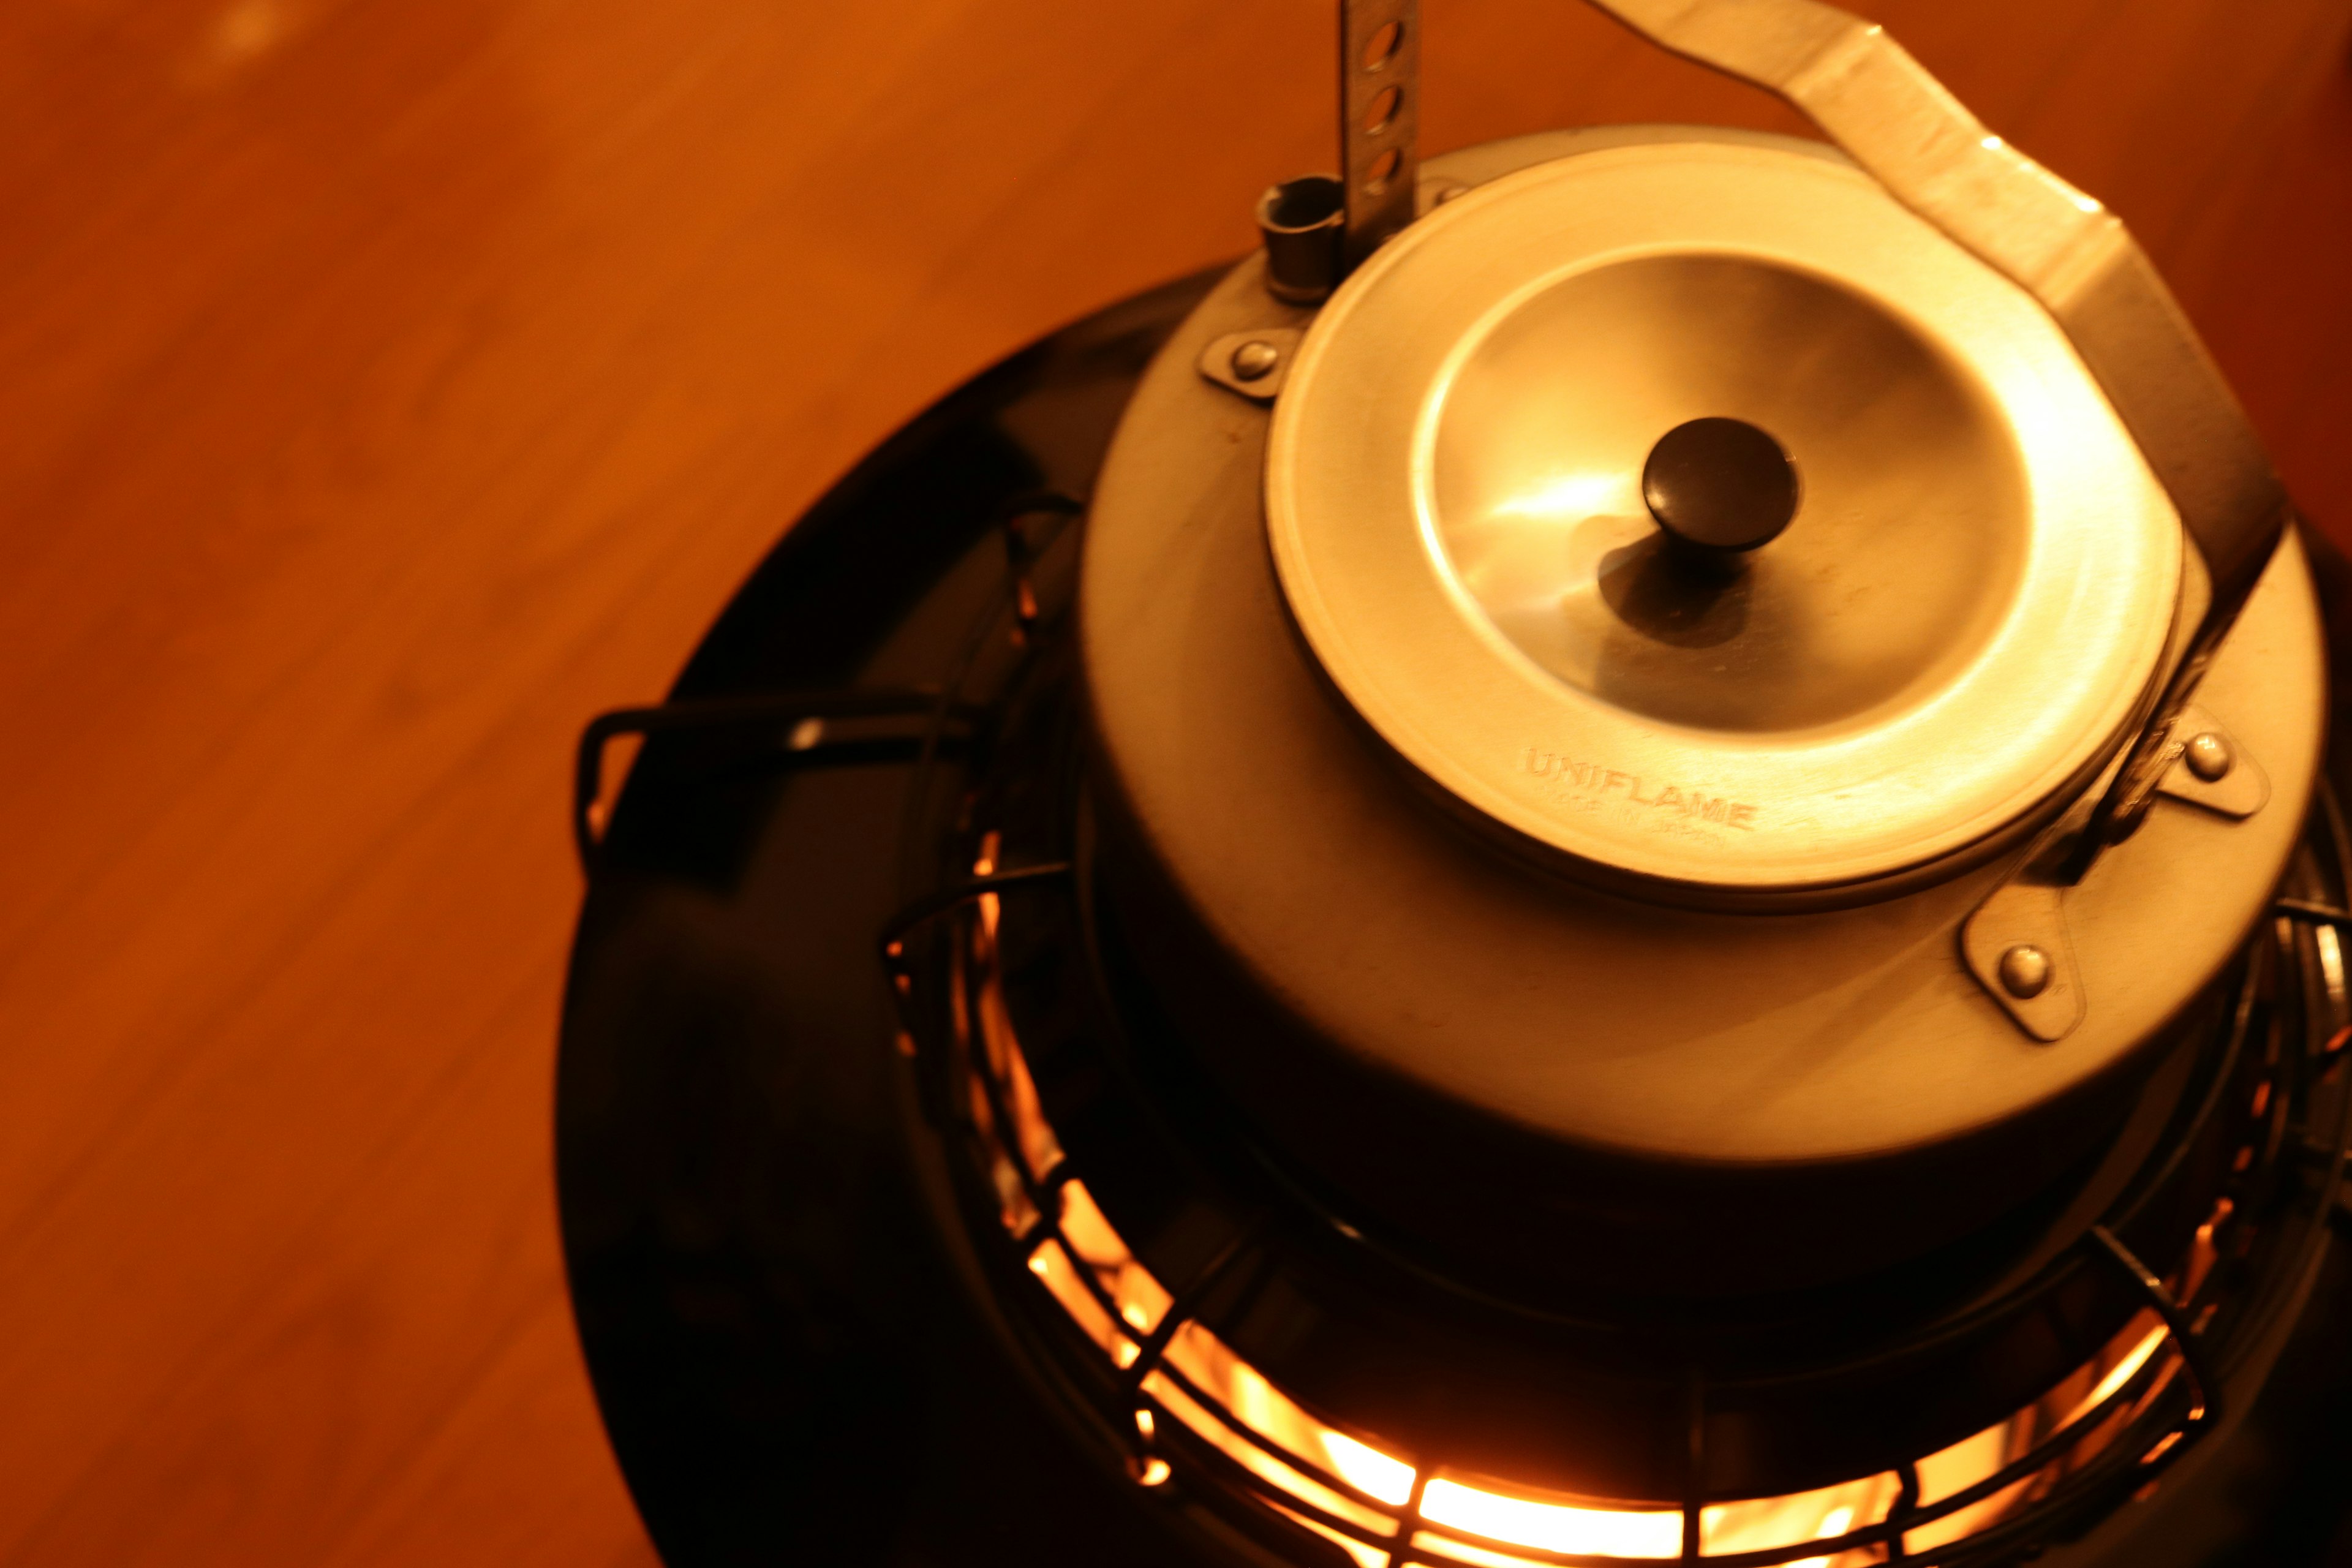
<point>1193,1416</point>
<point>990,733</point>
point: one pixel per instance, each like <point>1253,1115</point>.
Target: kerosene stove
<point>1627,856</point>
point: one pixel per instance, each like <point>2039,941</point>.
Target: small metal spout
<point>1303,222</point>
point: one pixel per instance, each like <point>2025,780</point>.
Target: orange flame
<point>1229,1404</point>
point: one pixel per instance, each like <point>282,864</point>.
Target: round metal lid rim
<point>2040,370</point>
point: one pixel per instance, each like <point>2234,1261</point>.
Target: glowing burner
<point>1265,1343</point>
<point>1383,1509</point>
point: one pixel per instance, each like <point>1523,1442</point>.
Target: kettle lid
<point>1708,522</point>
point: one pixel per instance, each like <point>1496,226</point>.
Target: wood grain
<point>393,384</point>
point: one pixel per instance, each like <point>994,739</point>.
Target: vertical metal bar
<point>1907,1497</point>
<point>1409,1518</point>
<point>1694,1477</point>
<point>2205,1385</point>
<point>1183,1304</point>
<point>1380,119</point>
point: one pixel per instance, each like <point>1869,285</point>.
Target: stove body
<point>808,1192</point>
<point>1621,859</point>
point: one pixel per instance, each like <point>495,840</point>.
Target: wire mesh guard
<point>1195,1403</point>
<point>1198,1413</point>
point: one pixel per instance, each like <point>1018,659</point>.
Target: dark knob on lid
<point>1719,487</point>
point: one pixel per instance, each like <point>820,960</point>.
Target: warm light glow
<point>1555,1527</point>
<point>246,30</point>
<point>1569,497</point>
<point>1839,1521</point>
<point>2205,1250</point>
<point>1366,1556</point>
<point>1204,1424</point>
<point>2121,1372</point>
<point>1090,1264</point>
<point>1141,1301</point>
<point>1962,1466</point>
<point>1463,1552</point>
<point>1209,1365</point>
<point>2331,967</point>
<point>1053,1265</point>
<point>1761,1524</point>
<point>1033,1135</point>
<point>1368,1469</point>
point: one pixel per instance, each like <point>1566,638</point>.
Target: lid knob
<point>1719,487</point>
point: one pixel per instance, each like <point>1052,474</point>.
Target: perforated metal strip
<point>1380,118</point>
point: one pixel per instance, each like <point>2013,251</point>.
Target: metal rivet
<point>1254,360</point>
<point>2209,756</point>
<point>2025,972</point>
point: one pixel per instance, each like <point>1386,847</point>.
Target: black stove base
<point>784,1346</point>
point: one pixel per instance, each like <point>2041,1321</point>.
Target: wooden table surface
<point>395,383</point>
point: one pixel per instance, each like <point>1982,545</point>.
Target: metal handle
<point>2076,259</point>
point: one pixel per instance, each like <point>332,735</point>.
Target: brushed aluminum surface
<point>1680,1034</point>
<point>1959,625</point>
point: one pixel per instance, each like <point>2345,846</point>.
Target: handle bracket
<point>1379,120</point>
<point>2076,258</point>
